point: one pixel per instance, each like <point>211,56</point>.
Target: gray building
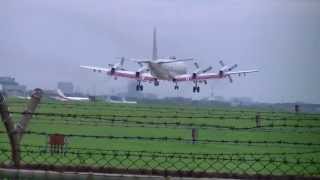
<point>11,87</point>
<point>66,87</point>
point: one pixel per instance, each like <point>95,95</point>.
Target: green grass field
<point>213,124</point>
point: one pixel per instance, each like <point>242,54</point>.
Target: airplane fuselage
<point>167,71</point>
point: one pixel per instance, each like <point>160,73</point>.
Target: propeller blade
<point>122,61</point>
<point>233,67</point>
<point>118,65</point>
<point>230,79</point>
<point>221,63</point>
<point>143,69</point>
<point>207,69</point>
<point>140,64</point>
<point>196,65</point>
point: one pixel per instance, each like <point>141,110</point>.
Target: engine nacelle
<point>194,75</point>
<point>113,70</point>
<point>221,74</point>
<point>137,74</point>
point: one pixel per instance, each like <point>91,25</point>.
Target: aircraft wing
<point>208,76</point>
<point>240,72</point>
<point>122,73</point>
<point>96,69</point>
<point>202,76</point>
<point>133,75</point>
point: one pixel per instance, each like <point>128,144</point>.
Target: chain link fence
<point>166,164</point>
<point>288,157</point>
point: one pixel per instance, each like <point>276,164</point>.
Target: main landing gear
<point>196,87</point>
<point>156,82</point>
<point>139,86</point>
<point>176,87</point>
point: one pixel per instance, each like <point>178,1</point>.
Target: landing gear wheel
<point>141,88</point>
<point>156,83</point>
<point>196,89</point>
<point>176,87</point>
<point>137,87</point>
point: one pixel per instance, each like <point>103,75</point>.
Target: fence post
<point>15,131</point>
<point>296,108</point>
<point>194,133</point>
<point>258,120</point>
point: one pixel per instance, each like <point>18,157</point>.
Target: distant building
<point>219,98</point>
<point>11,87</point>
<point>66,87</point>
<point>241,101</point>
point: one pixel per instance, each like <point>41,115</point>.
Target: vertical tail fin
<point>60,93</point>
<point>154,49</point>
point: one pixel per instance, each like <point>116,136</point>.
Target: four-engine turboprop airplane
<point>170,69</point>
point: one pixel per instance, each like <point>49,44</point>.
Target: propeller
<point>226,68</point>
<point>233,67</point>
<point>196,65</point>
<point>207,69</point>
<point>198,70</point>
<point>143,68</point>
<point>221,63</point>
<point>230,79</point>
<point>119,65</point>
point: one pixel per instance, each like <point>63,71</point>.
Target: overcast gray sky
<point>43,42</point>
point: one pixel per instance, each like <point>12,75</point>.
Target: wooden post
<point>258,120</point>
<point>9,125</point>
<point>27,114</point>
<point>194,134</point>
<point>15,131</point>
<point>296,108</point>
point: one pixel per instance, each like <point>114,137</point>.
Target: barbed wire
<point>114,116</point>
<point>142,154</point>
<point>176,110</point>
<point>179,153</point>
<point>283,128</point>
<point>178,139</point>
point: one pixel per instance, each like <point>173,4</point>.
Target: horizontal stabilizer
<point>162,61</point>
